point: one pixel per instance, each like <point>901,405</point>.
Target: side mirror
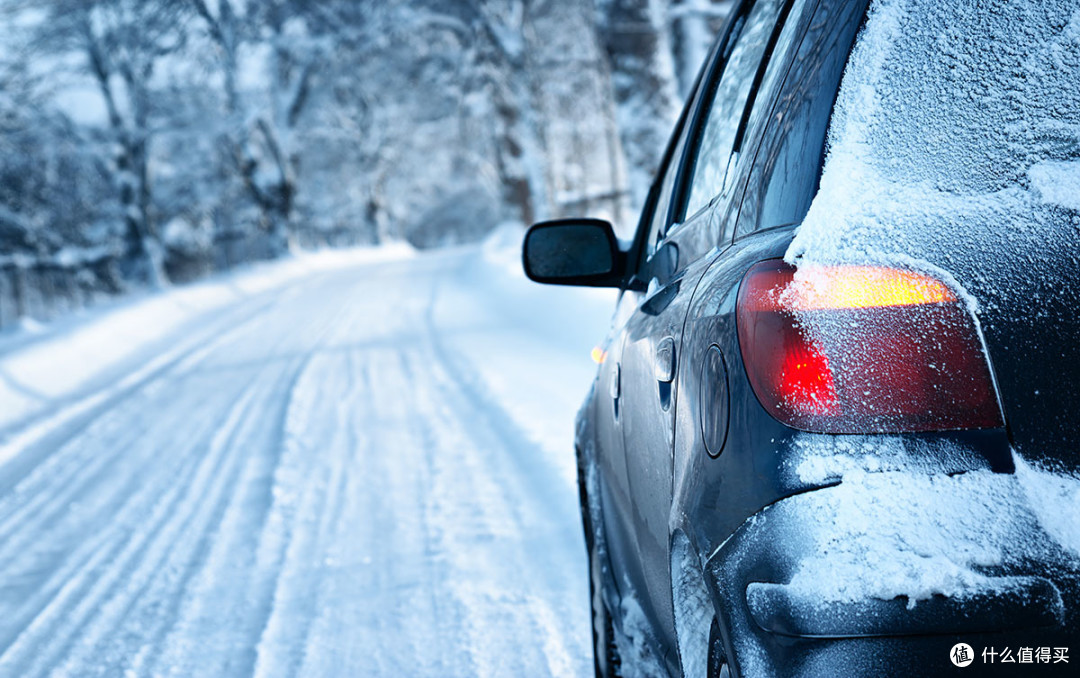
<point>574,252</point>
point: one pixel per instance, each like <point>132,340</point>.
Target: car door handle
<point>664,365</point>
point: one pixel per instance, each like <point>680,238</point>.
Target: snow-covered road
<point>366,471</point>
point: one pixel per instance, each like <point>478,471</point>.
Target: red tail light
<point>863,349</point>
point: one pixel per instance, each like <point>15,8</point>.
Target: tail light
<point>863,349</point>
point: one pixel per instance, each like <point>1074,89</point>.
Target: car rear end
<point>903,404</point>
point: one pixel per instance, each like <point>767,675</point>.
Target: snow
<point>900,524</point>
<point>935,151</point>
<point>1057,183</point>
<point>353,463</point>
<point>692,607</point>
<point>816,462</point>
<point>1054,498</point>
<point>919,535</point>
<point>632,640</point>
<point>38,377</point>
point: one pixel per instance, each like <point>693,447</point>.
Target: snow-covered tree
<point>638,42</point>
<point>121,43</point>
<point>162,139</point>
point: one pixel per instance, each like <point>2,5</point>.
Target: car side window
<point>778,60</point>
<point>658,221</point>
<point>774,70</point>
<point>657,216</point>
<point>713,155</point>
<point>788,165</point>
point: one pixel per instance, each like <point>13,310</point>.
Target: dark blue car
<point>835,430</point>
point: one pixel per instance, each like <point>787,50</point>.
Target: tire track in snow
<point>155,603</point>
<point>208,625</point>
<point>507,548</point>
<point>381,606</point>
<point>24,447</point>
<point>55,494</point>
<point>444,610</point>
<point>118,512</point>
<point>166,559</point>
<point>214,631</point>
<point>306,493</point>
<point>97,553</point>
<point>520,488</point>
<point>103,413</point>
<point>369,542</point>
<point>325,490</point>
<point>116,562</point>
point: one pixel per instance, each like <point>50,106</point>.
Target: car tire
<point>605,652</point>
<point>717,666</point>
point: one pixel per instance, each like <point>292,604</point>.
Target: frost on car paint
<point>943,127</point>
<point>957,135</point>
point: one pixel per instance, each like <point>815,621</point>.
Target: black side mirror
<point>574,252</point>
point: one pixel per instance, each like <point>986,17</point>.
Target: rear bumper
<point>779,622</point>
<point>1003,604</point>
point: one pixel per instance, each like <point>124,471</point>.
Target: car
<point>810,452</point>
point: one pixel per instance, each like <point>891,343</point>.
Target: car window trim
<point>759,75</point>
<point>680,193</point>
<point>690,124</point>
<point>706,94</point>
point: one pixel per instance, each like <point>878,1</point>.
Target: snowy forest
<point>149,143</point>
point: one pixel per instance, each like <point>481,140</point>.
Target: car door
<point>650,357</point>
<point>619,506</point>
<point>673,260</point>
<point>613,489</point>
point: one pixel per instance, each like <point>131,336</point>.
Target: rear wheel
<point>697,631</point>
<point>605,652</point>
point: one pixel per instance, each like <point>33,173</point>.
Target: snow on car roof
<point>955,125</point>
